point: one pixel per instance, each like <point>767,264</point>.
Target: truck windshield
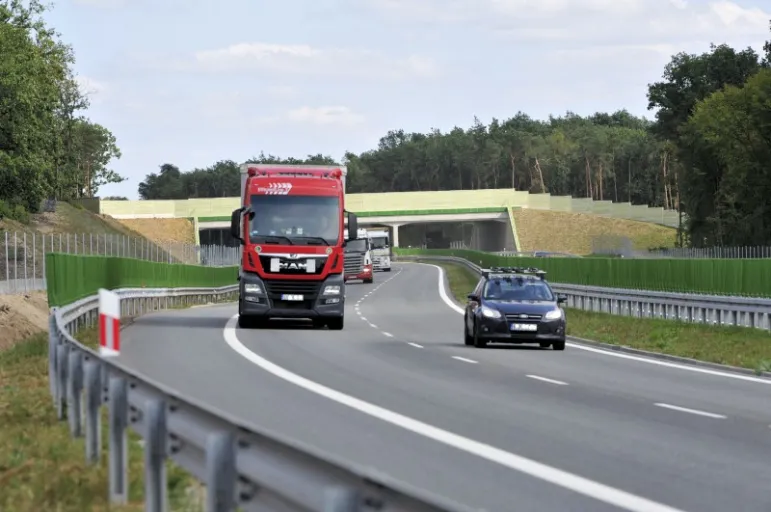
<point>358,245</point>
<point>379,242</point>
<point>301,220</point>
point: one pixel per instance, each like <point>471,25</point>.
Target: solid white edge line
<point>465,360</point>
<point>578,484</point>
<point>717,373</point>
<point>552,381</point>
<point>690,411</point>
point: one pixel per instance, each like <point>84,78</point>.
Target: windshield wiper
<point>312,239</point>
<point>275,239</point>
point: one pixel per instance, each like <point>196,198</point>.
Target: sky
<point>191,82</point>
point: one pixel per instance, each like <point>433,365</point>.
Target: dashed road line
<point>465,360</point>
<point>545,379</point>
<point>388,334</point>
<point>421,346</point>
<point>691,411</point>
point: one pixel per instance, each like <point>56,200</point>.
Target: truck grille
<point>353,263</point>
<point>275,288</point>
<point>300,270</point>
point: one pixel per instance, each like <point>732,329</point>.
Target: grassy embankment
<point>554,231</point>
<point>41,466</point>
<point>735,346</point>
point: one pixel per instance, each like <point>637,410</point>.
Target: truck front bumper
<point>284,298</point>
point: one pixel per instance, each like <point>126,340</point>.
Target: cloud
<point>593,21</point>
<point>325,116</point>
<point>308,60</point>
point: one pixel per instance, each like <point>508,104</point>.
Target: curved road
<point>496,429</point>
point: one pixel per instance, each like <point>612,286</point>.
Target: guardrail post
<point>155,456</point>
<point>61,381</point>
<point>75,391</point>
<point>93,387</point>
<point>118,401</point>
<point>53,341</point>
<point>220,472</point>
<point>341,499</point>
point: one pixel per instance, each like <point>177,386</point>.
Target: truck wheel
<point>245,322</point>
<point>336,324</point>
<point>369,281</point>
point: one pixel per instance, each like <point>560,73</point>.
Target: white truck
<point>381,249</point>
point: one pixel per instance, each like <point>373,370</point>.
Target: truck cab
<point>290,225</point>
<point>358,258</point>
<point>381,249</point>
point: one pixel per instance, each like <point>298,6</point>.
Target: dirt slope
<point>543,230</point>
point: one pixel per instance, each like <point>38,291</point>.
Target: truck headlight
<point>554,314</point>
<point>331,289</point>
<point>490,312</point>
<point>252,288</point>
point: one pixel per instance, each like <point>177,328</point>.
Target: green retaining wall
<point>71,277</point>
<point>750,277</point>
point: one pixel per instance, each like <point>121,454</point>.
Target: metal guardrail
<point>239,467</point>
<point>704,309</point>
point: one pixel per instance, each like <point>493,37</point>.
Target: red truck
<point>291,224</point>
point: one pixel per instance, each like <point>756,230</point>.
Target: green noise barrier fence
<point>750,278</point>
<point>73,277</point>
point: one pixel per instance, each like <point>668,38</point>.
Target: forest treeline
<point>48,149</point>
<point>707,153</point>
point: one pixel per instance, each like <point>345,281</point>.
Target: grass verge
<point>735,346</point>
<point>41,466</point>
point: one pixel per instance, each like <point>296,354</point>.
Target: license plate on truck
<point>524,327</point>
<point>294,297</point>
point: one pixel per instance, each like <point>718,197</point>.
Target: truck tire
<point>336,324</point>
<point>369,281</point>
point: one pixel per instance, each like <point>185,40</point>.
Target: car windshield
<point>518,288</point>
<point>302,220</point>
<point>379,242</point>
<point>358,245</point>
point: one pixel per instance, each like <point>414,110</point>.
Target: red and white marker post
<point>109,323</point>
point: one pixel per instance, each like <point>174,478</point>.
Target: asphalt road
<point>689,440</point>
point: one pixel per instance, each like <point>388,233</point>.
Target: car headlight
<point>332,289</point>
<point>554,314</point>
<point>252,288</point>
<point>490,312</point>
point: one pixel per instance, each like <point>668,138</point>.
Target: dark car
<point>515,305</point>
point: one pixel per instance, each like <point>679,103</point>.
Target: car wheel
<point>544,345</point>
<point>558,345</point>
<point>467,338</point>
<point>478,342</point>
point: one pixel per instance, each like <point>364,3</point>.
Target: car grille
<point>517,317</point>
<point>353,263</point>
<point>275,288</point>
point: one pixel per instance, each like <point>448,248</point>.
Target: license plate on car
<point>292,297</point>
<point>524,327</point>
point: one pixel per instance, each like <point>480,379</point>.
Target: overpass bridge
<point>482,219</point>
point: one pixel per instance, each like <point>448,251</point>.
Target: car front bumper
<point>365,274</point>
<point>498,330</point>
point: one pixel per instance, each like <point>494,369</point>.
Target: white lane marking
<point>544,379</point>
<point>373,325</point>
<point>465,360</point>
<point>388,334</point>
<point>558,477</point>
<point>363,318</point>
<point>691,411</point>
<point>421,346</point>
<point>717,373</point>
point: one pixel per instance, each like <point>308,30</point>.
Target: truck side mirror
<point>353,226</point>
<point>235,224</point>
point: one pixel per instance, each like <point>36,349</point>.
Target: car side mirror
<point>353,226</point>
<point>562,299</point>
<point>473,296</point>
